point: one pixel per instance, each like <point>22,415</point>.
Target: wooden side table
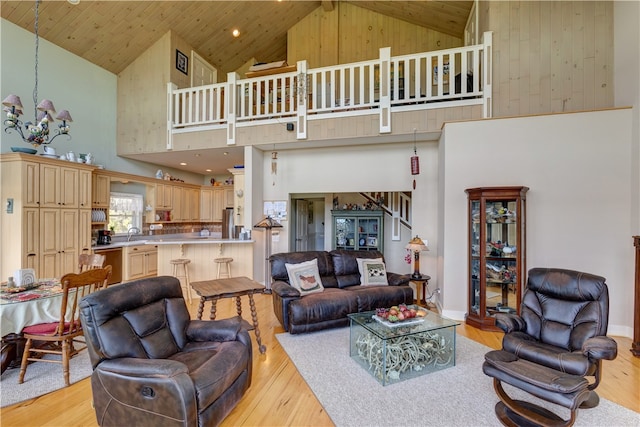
<point>234,287</point>
<point>422,286</point>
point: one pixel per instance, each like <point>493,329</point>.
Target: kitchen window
<point>125,211</point>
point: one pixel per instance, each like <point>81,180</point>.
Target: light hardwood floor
<point>278,395</point>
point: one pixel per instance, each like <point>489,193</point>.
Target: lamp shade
<point>268,223</point>
<point>45,114</point>
<point>417,245</point>
<point>46,105</point>
<point>18,111</point>
<point>64,115</point>
<point>13,101</point>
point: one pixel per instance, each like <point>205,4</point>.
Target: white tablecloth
<point>16,315</point>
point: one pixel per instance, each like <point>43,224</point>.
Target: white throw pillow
<point>305,277</point>
<point>361,260</point>
<point>374,273</point>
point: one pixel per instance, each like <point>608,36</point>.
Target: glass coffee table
<point>400,351</point>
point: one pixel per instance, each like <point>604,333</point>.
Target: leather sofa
<point>342,292</point>
<point>153,366</point>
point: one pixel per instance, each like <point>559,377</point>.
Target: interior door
<point>203,73</point>
<point>302,221</point>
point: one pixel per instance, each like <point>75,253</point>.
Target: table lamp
<point>416,245</point>
<point>268,223</point>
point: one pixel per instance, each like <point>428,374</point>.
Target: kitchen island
<point>202,251</point>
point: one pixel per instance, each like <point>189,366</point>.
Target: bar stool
<point>184,274</point>
<point>225,261</point>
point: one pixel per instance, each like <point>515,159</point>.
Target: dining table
<point>20,307</point>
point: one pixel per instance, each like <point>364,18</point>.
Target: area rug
<point>41,378</point>
<point>458,396</point>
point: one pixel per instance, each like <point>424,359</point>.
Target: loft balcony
<point>392,91</point>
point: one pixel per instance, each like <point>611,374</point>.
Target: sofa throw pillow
<point>305,277</point>
<point>374,273</point>
<point>361,260</point>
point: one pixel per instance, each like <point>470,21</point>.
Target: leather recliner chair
<point>154,366</point>
<point>554,348</point>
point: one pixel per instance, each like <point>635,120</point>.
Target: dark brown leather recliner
<point>554,348</point>
<point>153,366</point>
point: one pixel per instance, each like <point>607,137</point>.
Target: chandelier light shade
<point>37,133</point>
<point>416,245</point>
<point>267,224</point>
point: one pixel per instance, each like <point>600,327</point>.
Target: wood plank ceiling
<point>112,34</point>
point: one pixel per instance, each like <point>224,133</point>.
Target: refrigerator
<point>228,227</point>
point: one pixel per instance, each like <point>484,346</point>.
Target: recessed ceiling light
<point>235,32</point>
<point>208,170</point>
<point>197,155</point>
<point>183,164</point>
<point>226,153</point>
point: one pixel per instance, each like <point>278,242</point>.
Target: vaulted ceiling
<point>112,34</point>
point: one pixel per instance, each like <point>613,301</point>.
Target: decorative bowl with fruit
<point>400,314</point>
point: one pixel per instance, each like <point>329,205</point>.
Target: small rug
<point>41,378</point>
<point>458,396</point>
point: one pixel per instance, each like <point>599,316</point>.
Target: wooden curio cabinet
<point>497,252</point>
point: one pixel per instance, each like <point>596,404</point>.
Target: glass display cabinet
<point>358,230</point>
<point>497,252</point>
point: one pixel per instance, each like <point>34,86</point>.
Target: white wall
<point>578,169</point>
<point>86,90</point>
<point>376,167</point>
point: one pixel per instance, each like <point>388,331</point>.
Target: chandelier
<point>35,133</point>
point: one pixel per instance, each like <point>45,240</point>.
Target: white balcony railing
<point>459,76</point>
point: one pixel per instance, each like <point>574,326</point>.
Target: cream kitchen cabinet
<point>101,190</point>
<point>30,238</point>
<point>140,261</point>
<point>178,208</point>
<point>206,204</point>
<point>58,242</point>
<point>45,229</point>
<point>164,196</point>
<point>84,186</point>
<point>59,186</point>
<point>193,203</point>
<point>84,231</point>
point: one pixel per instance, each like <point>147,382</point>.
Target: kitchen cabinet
<point>213,200</point>
<point>84,231</point>
<point>31,184</point>
<point>101,190</point>
<point>85,186</point>
<point>193,203</point>
<point>59,186</point>
<point>164,196</point>
<point>358,230</point>
<point>59,242</point>
<point>206,204</point>
<point>30,238</point>
<point>178,209</point>
<point>497,252</point>
<point>46,229</point>
<point>140,261</point>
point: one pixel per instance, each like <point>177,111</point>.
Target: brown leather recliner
<point>154,366</point>
<point>550,349</point>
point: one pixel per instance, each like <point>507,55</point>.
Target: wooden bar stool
<point>184,274</point>
<point>225,261</point>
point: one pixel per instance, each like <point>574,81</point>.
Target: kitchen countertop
<point>171,239</point>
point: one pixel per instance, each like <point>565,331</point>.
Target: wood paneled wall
<point>550,57</point>
<point>142,96</point>
<point>349,34</point>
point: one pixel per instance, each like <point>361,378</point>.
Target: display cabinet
<point>497,252</point>
<point>358,230</point>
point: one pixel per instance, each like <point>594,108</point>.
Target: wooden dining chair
<point>88,262</point>
<point>60,338</point>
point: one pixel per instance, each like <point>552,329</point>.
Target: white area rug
<point>459,396</point>
<point>41,378</point>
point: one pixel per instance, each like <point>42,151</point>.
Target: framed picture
<point>182,62</point>
<point>372,241</point>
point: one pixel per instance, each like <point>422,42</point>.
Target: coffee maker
<point>104,237</point>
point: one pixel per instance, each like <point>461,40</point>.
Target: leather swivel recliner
<point>554,348</point>
<point>153,366</point>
